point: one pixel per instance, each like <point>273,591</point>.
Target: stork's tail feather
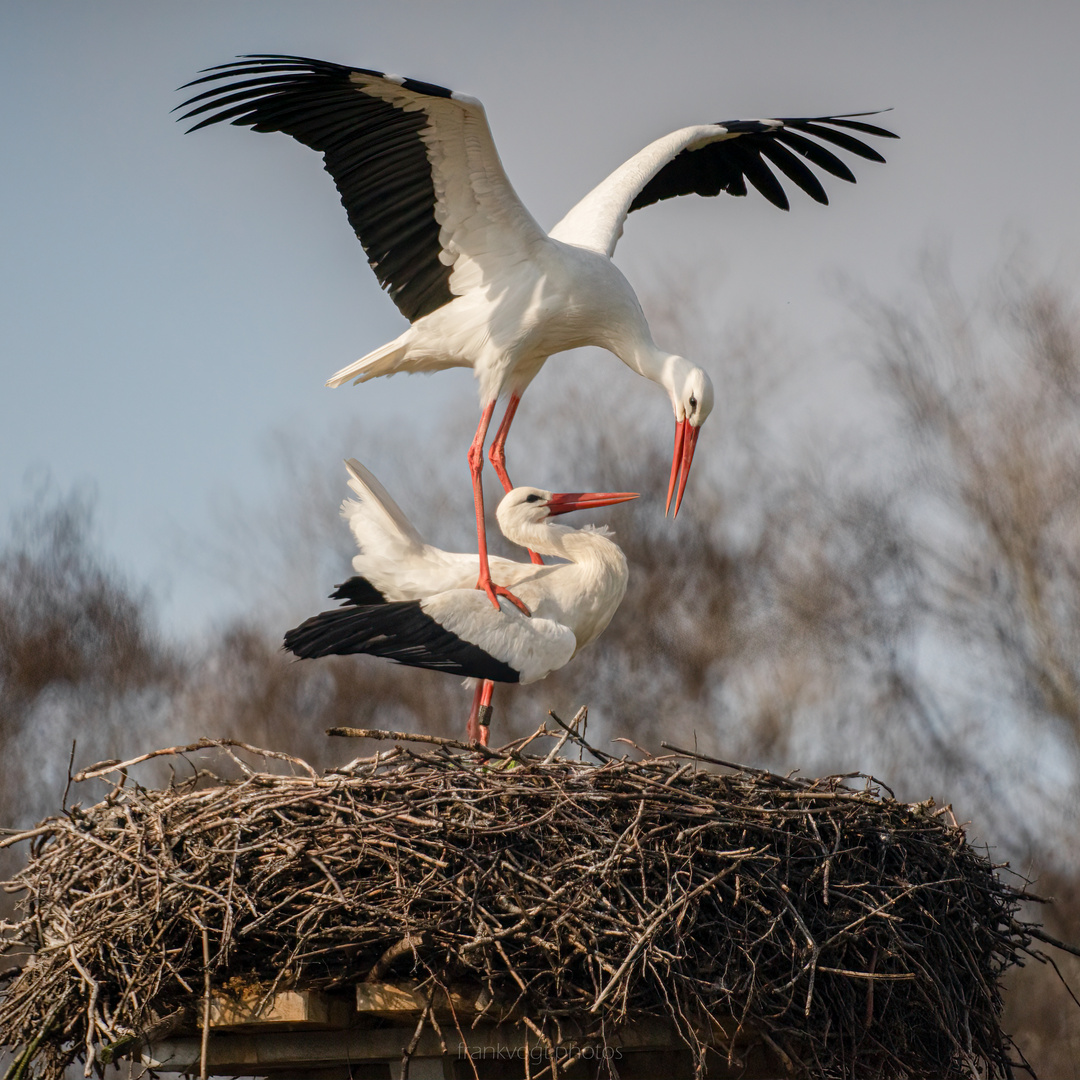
<point>375,508</point>
<point>383,361</point>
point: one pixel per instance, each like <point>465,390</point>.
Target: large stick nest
<point>854,934</point>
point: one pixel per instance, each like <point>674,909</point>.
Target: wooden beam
<point>405,1000</point>
<point>245,1054</point>
<point>249,1006</point>
<point>313,1035</point>
<point>251,1055</point>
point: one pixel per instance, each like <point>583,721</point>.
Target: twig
<point>414,1042</point>
<point>598,754</point>
<point>16,836</point>
<point>1041,935</point>
<point>580,715</point>
<point>67,786</point>
<point>906,976</point>
<point>103,767</point>
<point>381,966</point>
<point>773,777</point>
<point>402,736</point>
<point>205,1041</point>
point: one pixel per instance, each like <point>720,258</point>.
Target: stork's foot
<point>495,591</point>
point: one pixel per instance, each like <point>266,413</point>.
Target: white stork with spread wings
<point>481,283</point>
<point>417,604</point>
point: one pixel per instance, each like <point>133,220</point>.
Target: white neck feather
<point>547,538</point>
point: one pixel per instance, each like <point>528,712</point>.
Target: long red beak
<point>585,500</point>
<point>682,457</point>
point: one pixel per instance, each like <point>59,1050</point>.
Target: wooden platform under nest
<point>438,904</point>
<point>318,1035</point>
<point>370,1034</point>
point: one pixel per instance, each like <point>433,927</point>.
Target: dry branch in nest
<point>854,934</point>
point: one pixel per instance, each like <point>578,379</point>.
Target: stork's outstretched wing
<point>397,631</point>
<point>456,632</point>
<point>414,163</point>
<point>711,158</point>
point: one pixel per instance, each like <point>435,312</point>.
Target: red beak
<point>564,502</point>
<point>682,457</point>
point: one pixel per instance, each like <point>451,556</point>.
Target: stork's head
<point>533,506</point>
<point>691,392</point>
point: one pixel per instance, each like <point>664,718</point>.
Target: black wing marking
<point>358,590</point>
<point>727,165</point>
<point>398,631</point>
<point>371,148</point>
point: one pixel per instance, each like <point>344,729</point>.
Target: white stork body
<point>563,297</point>
<point>481,283</point>
<point>417,604</point>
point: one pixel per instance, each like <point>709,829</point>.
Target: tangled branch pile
<point>856,935</point>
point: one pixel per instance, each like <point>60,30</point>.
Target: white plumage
<point>417,604</point>
<point>482,284</point>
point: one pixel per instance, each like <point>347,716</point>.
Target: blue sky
<point>168,301</point>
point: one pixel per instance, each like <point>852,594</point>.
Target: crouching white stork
<point>416,604</point>
<point>481,283</point>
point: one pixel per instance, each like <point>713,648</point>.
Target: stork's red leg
<point>497,454</point>
<point>472,728</point>
<point>483,718</point>
<point>480,714</point>
<point>476,466</point>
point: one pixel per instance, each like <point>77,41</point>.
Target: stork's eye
<point>532,498</point>
<point>693,403</point>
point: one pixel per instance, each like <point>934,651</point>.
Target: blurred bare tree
<point>78,652</point>
<point>992,401</point>
<point>988,398</point>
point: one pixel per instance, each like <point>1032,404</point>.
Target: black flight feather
<point>372,149</point>
<point>398,630</point>
<point>726,165</point>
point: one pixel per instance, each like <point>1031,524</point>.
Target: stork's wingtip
<point>336,380</point>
